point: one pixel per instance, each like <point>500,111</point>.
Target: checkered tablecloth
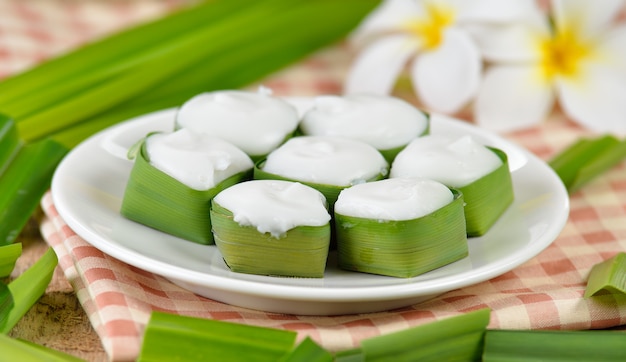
<point>543,293</point>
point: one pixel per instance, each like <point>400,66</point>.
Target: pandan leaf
<point>587,158</point>
<point>29,287</point>
<point>488,197</point>
<point>21,350</point>
<point>159,201</point>
<point>170,337</point>
<point>8,257</point>
<point>520,345</point>
<point>608,276</point>
<point>302,252</point>
<point>404,248</point>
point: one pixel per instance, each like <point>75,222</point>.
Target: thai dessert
<point>328,164</point>
<point>175,176</point>
<point>256,122</point>
<point>272,227</point>
<point>400,227</point>
<point>385,122</point>
<point>479,172</point>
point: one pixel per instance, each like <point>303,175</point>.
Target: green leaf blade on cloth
<point>20,350</point>
<point>458,338</point>
<point>521,345</point>
<point>29,287</point>
<point>608,276</point>
<point>586,159</point>
<point>171,337</point>
<point>23,184</point>
<point>8,257</point>
<point>308,351</point>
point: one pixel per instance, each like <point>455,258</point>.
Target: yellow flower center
<point>430,27</point>
<point>562,54</point>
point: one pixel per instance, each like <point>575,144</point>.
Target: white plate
<point>88,186</point>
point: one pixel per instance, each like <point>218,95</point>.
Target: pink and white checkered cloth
<point>544,293</point>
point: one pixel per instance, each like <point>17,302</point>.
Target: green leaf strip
<point>521,345</point>
<point>24,183</point>
<point>308,351</point>
<point>170,337</point>
<point>586,159</point>
<point>29,287</point>
<point>458,338</point>
<point>8,256</point>
<point>608,276</point>
<point>20,350</point>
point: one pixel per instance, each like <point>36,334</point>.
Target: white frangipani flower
<point>579,60</point>
<point>444,61</point>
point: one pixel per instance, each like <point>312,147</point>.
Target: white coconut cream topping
<point>455,162</point>
<point>255,122</point>
<point>393,199</point>
<point>382,121</point>
<point>199,161</point>
<point>273,206</point>
<point>326,160</point>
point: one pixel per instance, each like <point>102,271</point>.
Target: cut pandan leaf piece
<point>171,337</point>
<point>174,178</point>
<point>399,227</point>
<point>28,288</point>
<point>479,172</point>
<point>458,338</point>
<point>8,258</point>
<point>308,351</point>
<point>328,164</point>
<point>586,159</point>
<point>387,123</point>
<point>21,350</point>
<point>608,276</point>
<point>23,183</point>
<point>257,123</point>
<point>272,227</point>
<point>521,345</point>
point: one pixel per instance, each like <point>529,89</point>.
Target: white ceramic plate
<point>88,186</point>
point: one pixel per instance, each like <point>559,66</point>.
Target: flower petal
<point>448,77</point>
<point>513,42</point>
<point>598,101</point>
<point>496,11</point>
<point>588,17</point>
<point>388,16</point>
<point>376,68</point>
<point>509,99</point>
<point>612,48</point>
